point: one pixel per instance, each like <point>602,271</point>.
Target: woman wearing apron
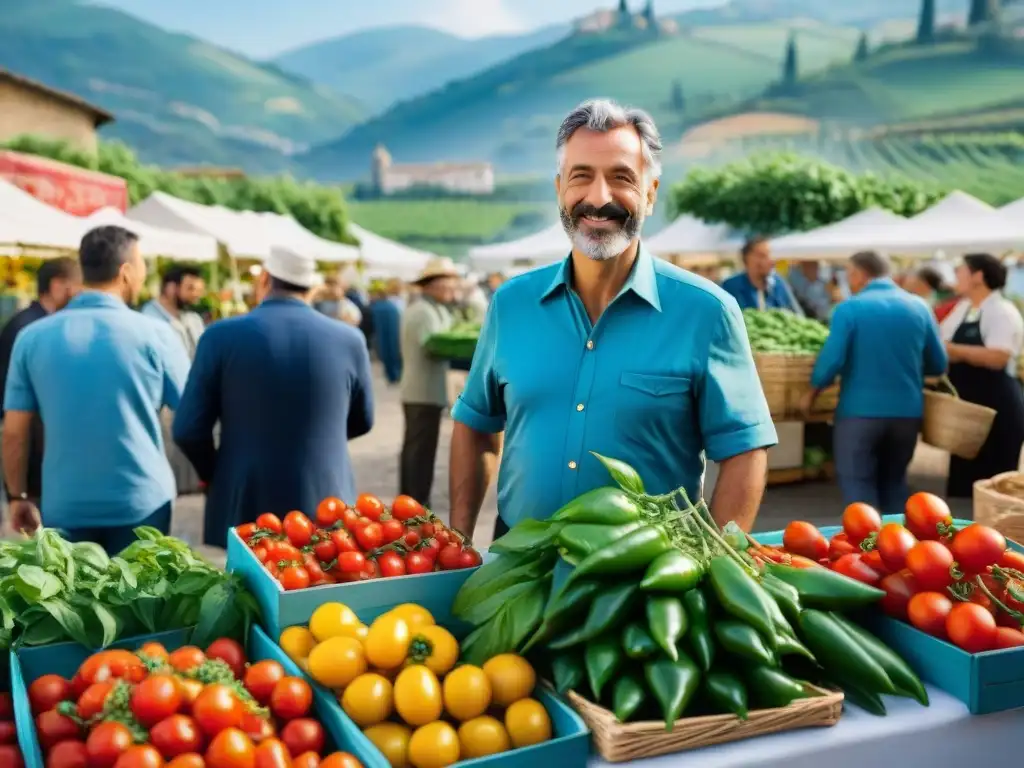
<point>984,334</point>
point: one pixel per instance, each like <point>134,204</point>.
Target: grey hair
<point>872,264</point>
<point>604,115</point>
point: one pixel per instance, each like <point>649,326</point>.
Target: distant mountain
<point>176,99</point>
<point>389,64</point>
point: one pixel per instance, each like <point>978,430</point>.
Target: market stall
<point>156,242</point>
<point>31,227</point>
<point>386,256</point>
<point>545,247</point>
<point>836,241</point>
<point>693,244</point>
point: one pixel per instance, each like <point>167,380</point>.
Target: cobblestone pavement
<point>375,458</point>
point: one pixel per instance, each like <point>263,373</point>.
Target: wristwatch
<point>21,497</point>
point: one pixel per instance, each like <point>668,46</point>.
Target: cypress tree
<point>978,13</point>
<point>926,22</point>
<point>863,49</point>
<point>678,99</point>
<point>790,66</point>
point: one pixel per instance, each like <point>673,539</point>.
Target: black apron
<point>994,389</point>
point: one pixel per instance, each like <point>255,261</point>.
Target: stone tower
<point>379,165</point>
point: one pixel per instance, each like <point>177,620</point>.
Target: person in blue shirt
<point>387,324</point>
<point>97,374</point>
<point>758,286</point>
<point>882,343</point>
<point>609,351</point>
<point>290,387</point>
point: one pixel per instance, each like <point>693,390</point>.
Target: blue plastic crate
<point>434,591</point>
<point>64,659</point>
<point>985,682</point>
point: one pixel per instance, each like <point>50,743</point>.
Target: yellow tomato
<point>482,736</point>
<point>435,648</point>
<point>435,745</point>
<point>467,692</point>
<point>392,740</point>
<point>361,632</point>
<point>417,696</point>
<point>297,642</point>
<point>337,661</point>
<point>368,700</point>
<point>414,615</point>
<point>512,678</point>
<point>527,723</point>
<point>387,642</point>
<point>333,620</point>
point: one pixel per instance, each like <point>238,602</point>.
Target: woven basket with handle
<point>954,425</point>
<point>785,378</point>
<point>999,503</point>
<point>621,742</point>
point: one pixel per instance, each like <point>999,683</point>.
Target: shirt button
<point>590,344</point>
<point>572,465</point>
<point>579,407</point>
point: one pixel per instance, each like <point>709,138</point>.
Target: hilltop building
<point>28,107</point>
<point>623,17</point>
<point>467,178</point>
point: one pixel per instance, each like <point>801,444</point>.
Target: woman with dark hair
<point>984,334</point>
<point>929,285</point>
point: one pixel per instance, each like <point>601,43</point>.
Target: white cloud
<point>475,18</point>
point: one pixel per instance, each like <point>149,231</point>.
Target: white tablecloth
<point>943,734</point>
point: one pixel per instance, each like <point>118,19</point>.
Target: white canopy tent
<point>835,241</point>
<point>688,235</point>
<point>286,232</point>
<point>30,224</point>
<point>153,241</point>
<point>544,247</point>
<point>225,226</point>
<point>1015,209</point>
<point>388,257</point>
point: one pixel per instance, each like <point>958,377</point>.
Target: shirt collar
<point>88,299</point>
<point>642,279</point>
<point>880,284</point>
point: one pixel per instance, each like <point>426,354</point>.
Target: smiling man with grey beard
<point>610,351</point>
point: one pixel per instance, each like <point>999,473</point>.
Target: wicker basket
<point>786,379</point>
<point>999,503</point>
<point>621,742</point>
<point>954,425</point>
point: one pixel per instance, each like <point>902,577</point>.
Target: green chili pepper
<point>628,696</point>
<point>674,684</point>
<point>673,571</point>
<point>583,539</point>
<point>666,618</point>
<point>630,554</point>
<point>603,506</point>
<point>602,658</point>
<point>744,641</point>
<point>907,683</point>
<point>698,636</point>
<point>566,609</point>
<point>824,588</point>
<point>741,596</point>
<point>787,645</point>
<point>606,610</point>
<point>841,654</point>
<point>623,474</point>
<point>786,596</point>
<point>568,671</point>
<point>773,688</point>
<point>727,692</point>
<point>853,694</point>
<point>637,642</point>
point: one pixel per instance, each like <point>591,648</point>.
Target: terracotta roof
<point>100,116</point>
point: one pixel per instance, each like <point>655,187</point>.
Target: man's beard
<point>601,245</point>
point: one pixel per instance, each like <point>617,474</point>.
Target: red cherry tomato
<point>803,538</point>
<point>406,507</point>
<point>928,611</point>
<point>370,536</point>
<point>392,530</point>
<point>351,562</point>
<point>840,545</point>
<point>230,652</point>
<point>1008,638</point>
<point>860,521</point>
<point>246,531</point>
<point>873,560</point>
<point>391,564</point>
<point>930,562</point>
<point>417,562</point>
<point>450,557</point>
<point>343,542</point>
<point>470,558</point>
<point>369,506</point>
<point>899,588</point>
<point>854,567</point>
<point>269,522</point>
<point>971,627</point>
<point>893,543</point>
<point>328,512</point>
<point>1012,559</point>
<point>298,528</point>
<point>977,547</point>
<point>294,577</point>
<point>927,516</point>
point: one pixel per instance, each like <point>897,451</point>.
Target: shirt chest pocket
<point>647,403</point>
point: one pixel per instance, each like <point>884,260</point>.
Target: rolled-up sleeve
<point>1003,328</point>
<point>733,413</point>
<point>480,406</point>
<point>19,395</point>
<point>833,354</point>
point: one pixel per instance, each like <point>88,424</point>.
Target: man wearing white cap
<point>290,387</point>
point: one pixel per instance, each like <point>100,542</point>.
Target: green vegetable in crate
<point>580,540</point>
<point>824,588</point>
<point>603,615</point>
<point>628,696</point>
<point>673,571</point>
<point>835,649</point>
<point>602,658</point>
<point>666,618</point>
<point>726,690</point>
<point>699,636</point>
<point>568,671</point>
<point>457,343</point>
<point>602,506</point>
<point>674,684</point>
<point>776,331</point>
<point>638,643</point>
<point>773,688</point>
<point>743,641</point>
<point>907,683</point>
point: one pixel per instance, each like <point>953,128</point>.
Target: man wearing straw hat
<point>290,387</point>
<point>424,386</point>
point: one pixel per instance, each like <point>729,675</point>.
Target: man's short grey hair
<point>605,115</point>
<point>872,264</point>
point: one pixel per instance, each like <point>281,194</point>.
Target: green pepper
<point>826,589</point>
<point>583,539</point>
<point>607,609</point>
<point>602,658</point>
<point>603,506</point>
<point>568,671</point>
<point>841,654</point>
<point>853,694</point>
<point>566,609</point>
<point>673,571</point>
<point>698,636</point>
<point>637,642</point>
<point>623,474</point>
<point>773,688</point>
<point>741,596</point>
<point>786,644</point>
<point>727,692</point>
<point>666,618</point>
<point>628,696</point>
<point>907,683</point>
<point>786,596</point>
<point>744,641</point>
<point>628,555</point>
<point>674,684</point>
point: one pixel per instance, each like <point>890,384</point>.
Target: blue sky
<point>262,28</point>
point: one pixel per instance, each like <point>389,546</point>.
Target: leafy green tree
<point>790,66</point>
<point>982,12</point>
<point>863,52</point>
<point>926,22</point>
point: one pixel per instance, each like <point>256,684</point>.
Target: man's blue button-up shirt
<point>777,295</point>
<point>882,343</point>
<point>665,376</point>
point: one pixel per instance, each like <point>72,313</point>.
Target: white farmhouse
<point>468,178</point>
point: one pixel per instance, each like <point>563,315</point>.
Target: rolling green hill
<point>176,98</point>
<point>509,114</point>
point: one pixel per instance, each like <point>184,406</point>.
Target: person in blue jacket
<point>882,343</point>
<point>387,323</point>
<point>757,286</point>
<point>290,387</point>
